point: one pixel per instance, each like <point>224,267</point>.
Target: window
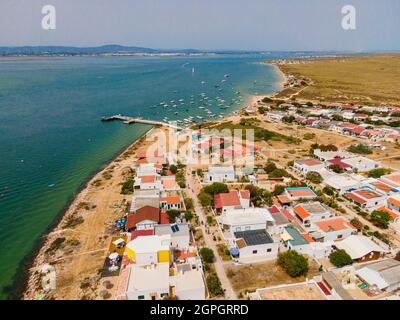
<point>340,236</point>
<point>254,251</point>
<point>141,297</point>
<point>269,250</point>
<point>247,228</point>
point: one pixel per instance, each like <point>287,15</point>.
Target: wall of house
<point>337,235</point>
<point>146,225</point>
<point>191,294</point>
<point>134,295</point>
<point>267,250</point>
<point>247,227</point>
<point>370,257</point>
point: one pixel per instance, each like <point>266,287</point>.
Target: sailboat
<point>193,70</point>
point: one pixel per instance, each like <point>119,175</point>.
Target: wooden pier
<point>129,120</point>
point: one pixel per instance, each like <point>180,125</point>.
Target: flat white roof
<point>339,181</point>
<point>221,170</point>
<point>189,280</point>
<point>148,278</point>
<point>150,243</point>
<point>245,216</point>
<point>359,161</point>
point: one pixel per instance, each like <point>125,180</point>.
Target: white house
<point>148,283</point>
<point>255,245</point>
<point>361,248</point>
<point>332,229</point>
<point>180,234</point>
<point>343,183</point>
<point>151,182</point>
<point>188,285</point>
<point>330,155</point>
<point>312,211</point>
<point>305,166</point>
<point>236,220</point>
<point>385,274</point>
<point>367,198</point>
<point>304,244</point>
<point>220,174</point>
<point>361,164</point>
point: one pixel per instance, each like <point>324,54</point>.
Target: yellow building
<point>148,250</point>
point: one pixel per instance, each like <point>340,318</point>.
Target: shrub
<point>314,177</point>
<point>205,199</point>
<point>216,188</point>
<point>172,215</point>
<point>214,285</point>
<point>359,149</point>
<point>173,168</point>
<point>340,258</point>
<point>293,263</point>
<point>328,191</point>
<point>378,172</point>
<point>127,187</point>
<point>207,255</point>
<point>278,173</point>
<point>380,218</point>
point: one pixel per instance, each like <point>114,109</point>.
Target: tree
<point>397,257</point>
<point>205,199</point>
<point>314,177</point>
<point>309,136</point>
<point>380,218</point>
<point>216,188</point>
<point>359,149</point>
<point>214,285</point>
<point>278,189</point>
<point>278,173</point>
<point>336,168</point>
<point>378,172</point>
<point>207,255</point>
<point>340,258</point>
<point>328,191</point>
<point>288,119</point>
<point>188,215</point>
<point>127,187</point>
<point>293,263</point>
<point>270,167</point>
<point>173,214</point>
<point>173,168</point>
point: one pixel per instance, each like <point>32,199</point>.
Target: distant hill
<point>106,49</point>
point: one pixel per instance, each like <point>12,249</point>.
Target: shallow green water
<point>50,131</point>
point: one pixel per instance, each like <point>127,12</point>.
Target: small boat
<point>51,185</point>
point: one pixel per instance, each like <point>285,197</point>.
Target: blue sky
<point>204,24</point>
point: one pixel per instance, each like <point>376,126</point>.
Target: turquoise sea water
<point>50,133</point>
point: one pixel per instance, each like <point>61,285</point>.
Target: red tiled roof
<point>355,198</point>
<point>287,214</point>
<point>273,209</point>
<point>164,218</point>
<point>147,179</point>
<point>367,194</point>
<point>334,224</point>
<point>338,161</point>
<point>171,199</point>
<point>226,199</point>
<point>141,233</point>
<point>357,130</point>
<point>144,213</point>
<point>300,192</point>
<point>309,162</point>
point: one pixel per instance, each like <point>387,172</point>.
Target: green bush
<point>205,199</point>
<point>340,258</point>
<point>207,255</point>
<point>127,187</point>
<point>173,214</point>
<point>214,285</point>
<point>216,188</point>
<point>293,263</point>
<point>380,218</point>
<point>359,149</point>
<point>378,172</point>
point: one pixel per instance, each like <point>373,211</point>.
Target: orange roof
<point>391,213</point>
<point>300,192</point>
<point>226,199</point>
<point>147,179</point>
<point>309,162</point>
<point>367,194</point>
<point>334,224</point>
<point>393,201</point>
<point>301,212</point>
<point>171,199</point>
<point>169,183</point>
<point>283,199</point>
<point>308,238</point>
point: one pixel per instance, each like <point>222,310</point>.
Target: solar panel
<point>174,227</point>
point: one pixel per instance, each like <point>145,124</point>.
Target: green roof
<point>298,239</point>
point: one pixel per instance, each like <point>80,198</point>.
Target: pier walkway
<point>129,120</point>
